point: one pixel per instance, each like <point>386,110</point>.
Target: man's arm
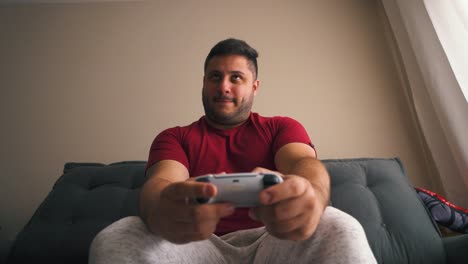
<point>160,175</point>
<point>166,207</point>
<point>301,160</point>
<point>292,210</point>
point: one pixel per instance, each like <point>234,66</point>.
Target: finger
<point>285,229</point>
<point>254,214</point>
<point>282,229</point>
<point>189,189</point>
<point>206,212</point>
<point>202,213</point>
<point>188,232</point>
<point>290,188</point>
<point>187,228</point>
<point>284,210</point>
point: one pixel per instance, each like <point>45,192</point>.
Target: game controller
<point>240,189</point>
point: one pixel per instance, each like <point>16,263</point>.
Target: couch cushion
<point>84,200</point>
<point>377,193</point>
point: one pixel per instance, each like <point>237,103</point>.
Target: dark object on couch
<point>90,196</point>
<point>444,212</point>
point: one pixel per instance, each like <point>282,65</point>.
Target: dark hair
<point>232,46</point>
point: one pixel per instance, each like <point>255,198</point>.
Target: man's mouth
<point>223,100</point>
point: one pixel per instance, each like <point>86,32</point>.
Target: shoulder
<point>183,129</point>
<point>275,122</point>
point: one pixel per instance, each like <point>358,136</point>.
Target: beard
<point>239,115</point>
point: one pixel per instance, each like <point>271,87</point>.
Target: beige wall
<point>96,82</point>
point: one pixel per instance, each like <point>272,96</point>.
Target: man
<point>298,225</point>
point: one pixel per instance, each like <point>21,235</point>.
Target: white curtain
<point>432,39</point>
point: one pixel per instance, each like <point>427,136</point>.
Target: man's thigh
<point>129,241</point>
<point>339,238</point>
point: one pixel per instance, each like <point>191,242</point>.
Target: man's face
<point>229,88</point>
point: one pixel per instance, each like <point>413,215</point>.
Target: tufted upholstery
<point>90,196</point>
<point>84,200</point>
<point>392,215</point>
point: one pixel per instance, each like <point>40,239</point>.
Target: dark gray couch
<point>90,196</point>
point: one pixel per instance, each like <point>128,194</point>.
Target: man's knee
<point>116,239</point>
<point>342,239</point>
<point>336,221</point>
<point>341,230</point>
<point>123,227</point>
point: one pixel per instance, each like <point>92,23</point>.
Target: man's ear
<point>256,86</point>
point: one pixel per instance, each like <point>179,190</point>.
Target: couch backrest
<point>378,194</point>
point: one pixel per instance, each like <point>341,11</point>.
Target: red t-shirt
<point>205,150</point>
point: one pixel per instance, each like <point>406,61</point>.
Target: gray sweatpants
<point>339,239</point>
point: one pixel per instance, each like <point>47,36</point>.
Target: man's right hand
<point>181,220</point>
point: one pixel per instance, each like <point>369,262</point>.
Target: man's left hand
<point>290,210</point>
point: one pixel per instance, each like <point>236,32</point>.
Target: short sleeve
<point>167,146</point>
<point>289,130</point>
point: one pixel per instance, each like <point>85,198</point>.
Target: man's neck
<point>224,126</point>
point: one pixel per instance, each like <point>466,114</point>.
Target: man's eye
<point>215,77</point>
<point>236,77</point>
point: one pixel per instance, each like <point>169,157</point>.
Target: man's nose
<point>225,85</point>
